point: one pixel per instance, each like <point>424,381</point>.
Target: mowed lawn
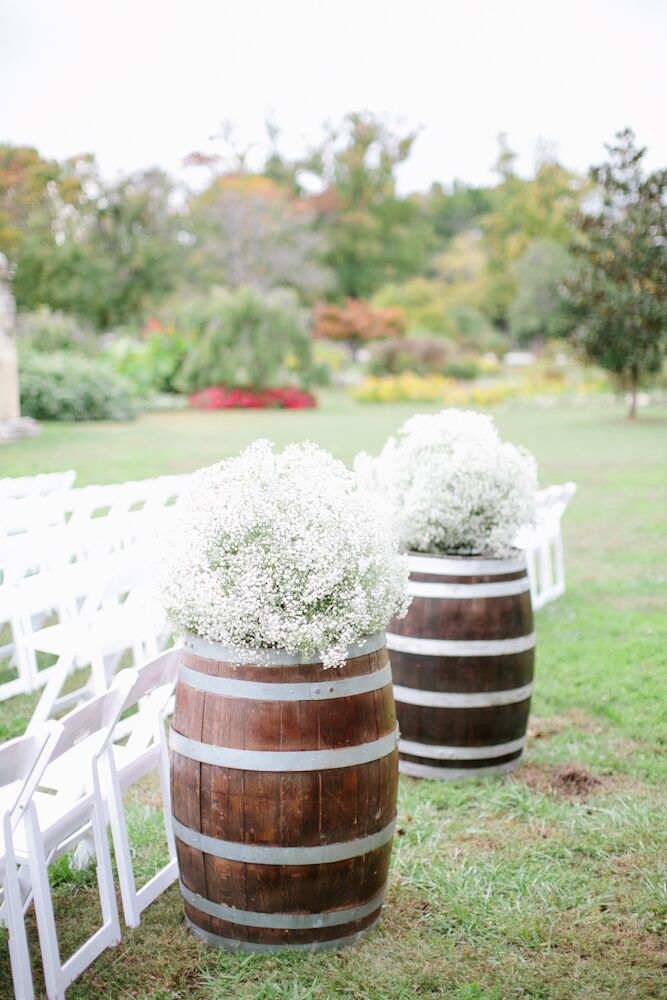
<point>549,884</point>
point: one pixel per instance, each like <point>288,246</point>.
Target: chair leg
<point>19,955</point>
<point>46,923</point>
<point>105,873</point>
<point>121,846</point>
<point>165,786</point>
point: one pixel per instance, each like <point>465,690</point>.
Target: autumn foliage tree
<point>250,230</point>
<point>357,322</point>
<point>619,291</point>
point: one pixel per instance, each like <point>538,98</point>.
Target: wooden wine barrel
<point>462,662</point>
<point>284,777</point>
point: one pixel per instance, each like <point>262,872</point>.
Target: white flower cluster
<point>282,551</point>
<point>452,485</point>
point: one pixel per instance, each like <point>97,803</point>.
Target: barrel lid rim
<point>514,553</point>
<point>211,650</point>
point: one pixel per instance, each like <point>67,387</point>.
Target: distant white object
<point>518,359</point>
<point>543,545</point>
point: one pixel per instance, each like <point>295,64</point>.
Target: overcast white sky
<point>143,82</point>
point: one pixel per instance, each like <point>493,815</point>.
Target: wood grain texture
<point>285,809</point>
<point>464,619</point>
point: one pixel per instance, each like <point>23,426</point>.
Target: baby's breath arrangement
<point>282,551</point>
<point>453,485</point>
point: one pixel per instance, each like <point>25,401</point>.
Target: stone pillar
<point>12,425</point>
<point>9,374</point>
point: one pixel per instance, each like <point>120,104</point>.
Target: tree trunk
<point>634,386</point>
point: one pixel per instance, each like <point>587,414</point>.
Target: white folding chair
<point>543,545</point>
<point>67,807</point>
<point>144,751</point>
<point>117,616</point>
<point>22,764</point>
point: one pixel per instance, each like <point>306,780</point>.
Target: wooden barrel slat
<point>275,817</point>
<point>462,664</point>
<point>462,674</point>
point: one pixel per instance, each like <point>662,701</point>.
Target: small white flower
<point>452,485</point>
<point>282,551</point>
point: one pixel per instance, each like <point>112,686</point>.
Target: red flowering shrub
<point>220,397</point>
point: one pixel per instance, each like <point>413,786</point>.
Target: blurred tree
<point>524,210</point>
<point>539,309</point>
<point>28,184</point>
<point>249,230</point>
<point>373,235</point>
<point>357,322</point>
<point>98,251</point>
<point>107,255</point>
<point>454,210</point>
<point>421,301</point>
<point>619,291</point>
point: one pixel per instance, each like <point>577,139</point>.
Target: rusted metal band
<point>437,566</point>
<point>230,687</point>
<point>261,854</point>
<point>271,657</point>
<point>415,770</point>
<point>232,944</point>
<point>282,760</point>
<point>460,647</point>
<point>286,921</point>
<point>438,752</point>
<point>468,591</point>
<point>455,699</point>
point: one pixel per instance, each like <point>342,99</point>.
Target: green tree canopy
<point>104,254</point>
<point>619,291</point>
<point>524,210</point>
<point>372,234</point>
<point>539,309</point>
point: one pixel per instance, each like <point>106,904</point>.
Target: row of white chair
<point>62,506</point>
<point>61,785</point>
<point>52,570</point>
<point>39,485</point>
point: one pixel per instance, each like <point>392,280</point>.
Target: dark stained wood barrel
<point>462,662</point>
<point>284,777</point>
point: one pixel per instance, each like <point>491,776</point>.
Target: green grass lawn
<point>548,885</point>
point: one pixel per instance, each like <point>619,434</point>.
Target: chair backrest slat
<point>22,763</point>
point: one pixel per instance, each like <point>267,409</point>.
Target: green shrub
<point>423,357</point>
<point>151,360</point>
<point>67,386</point>
<point>241,338</point>
<point>463,368</point>
<point>474,330</point>
<point>424,304</point>
<point>47,331</point>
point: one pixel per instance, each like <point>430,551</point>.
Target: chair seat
<point>59,821</point>
<point>132,764</point>
<point>108,630</point>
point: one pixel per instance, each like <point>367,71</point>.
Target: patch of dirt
<point>556,724</point>
<point>575,780</point>
<point>569,780</point>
